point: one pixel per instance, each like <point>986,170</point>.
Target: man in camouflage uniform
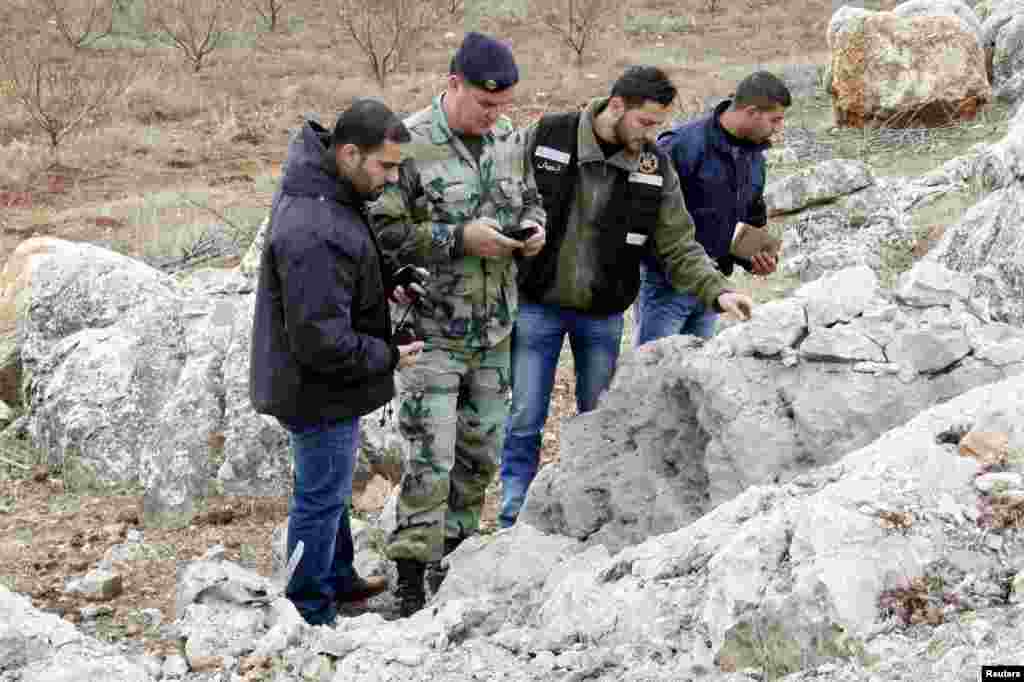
<point>463,188</point>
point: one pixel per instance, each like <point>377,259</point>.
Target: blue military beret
<point>485,62</point>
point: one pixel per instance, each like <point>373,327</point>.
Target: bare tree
<point>80,22</point>
<point>578,23</point>
<point>62,92</point>
<point>196,27</point>
<point>269,10</point>
<point>454,6</point>
<point>384,30</point>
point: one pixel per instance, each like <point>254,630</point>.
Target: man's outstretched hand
<point>736,304</point>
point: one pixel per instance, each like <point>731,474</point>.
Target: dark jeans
<point>319,517</point>
<point>537,341</point>
<point>662,311</point>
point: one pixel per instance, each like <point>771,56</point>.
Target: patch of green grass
<point>139,618</point>
<point>496,10</point>
<point>897,257</point>
<point>247,555</point>
<point>265,184</point>
<point>894,152</point>
<point>292,25</point>
<point>946,210</point>
<point>109,631</point>
<point>67,502</point>
<point>244,224</point>
<point>936,648</point>
<point>659,23</point>
<point>10,582</point>
<point>768,649</point>
<point>7,504</point>
<point>1000,488</point>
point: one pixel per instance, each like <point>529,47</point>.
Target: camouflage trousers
<point>454,405</point>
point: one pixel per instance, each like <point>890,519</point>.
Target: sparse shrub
<point>63,92</point>
<point>897,257</point>
<point>80,22</point>
<point>999,512</point>
<point>196,27</point>
<point>156,97</point>
<point>577,21</point>
<point>912,603</point>
<point>384,30</point>
<point>270,12</point>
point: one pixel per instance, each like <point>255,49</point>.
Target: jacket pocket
<point>451,202</point>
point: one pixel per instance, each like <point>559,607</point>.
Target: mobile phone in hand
<point>521,234</point>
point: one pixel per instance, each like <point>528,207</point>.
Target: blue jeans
<point>319,516</point>
<point>536,344</point>
<point>662,311</point>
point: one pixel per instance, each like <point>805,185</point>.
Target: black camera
<point>410,277</point>
<point>404,334</point>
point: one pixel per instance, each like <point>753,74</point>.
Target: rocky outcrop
<point>886,564</point>
<point>819,184</point>
<point>987,245</point>
<point>129,375</point>
<point>1002,40</point>
<point>808,380</point>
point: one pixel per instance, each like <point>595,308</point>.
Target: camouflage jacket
<point>471,302</point>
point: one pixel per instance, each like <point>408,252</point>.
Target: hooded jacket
<point>321,342</point>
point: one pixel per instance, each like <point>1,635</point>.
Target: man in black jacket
<point>322,353</point>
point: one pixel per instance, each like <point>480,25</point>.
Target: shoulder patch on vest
<point>552,154</point>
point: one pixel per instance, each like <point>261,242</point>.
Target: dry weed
<point>999,512</point>
<point>912,603</point>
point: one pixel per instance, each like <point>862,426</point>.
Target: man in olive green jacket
<point>464,193</point>
<point>610,196</point>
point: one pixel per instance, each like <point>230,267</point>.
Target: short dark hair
<point>640,84</point>
<point>763,90</point>
<point>368,123</point>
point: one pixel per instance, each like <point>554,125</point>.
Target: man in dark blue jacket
<point>721,167</point>
<point>322,353</point>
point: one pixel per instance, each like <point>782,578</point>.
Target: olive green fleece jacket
<point>684,260</point>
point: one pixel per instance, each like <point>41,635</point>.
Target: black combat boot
<point>409,592</point>
<point>436,570</point>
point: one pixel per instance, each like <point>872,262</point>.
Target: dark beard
<point>622,139</point>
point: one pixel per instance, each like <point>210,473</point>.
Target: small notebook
<point>748,241</point>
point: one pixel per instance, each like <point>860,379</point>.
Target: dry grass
<point>912,602</point>
<point>176,129</point>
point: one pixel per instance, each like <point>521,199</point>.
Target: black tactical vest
<point>625,226</point>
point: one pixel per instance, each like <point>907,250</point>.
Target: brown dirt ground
<point>221,129</point>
